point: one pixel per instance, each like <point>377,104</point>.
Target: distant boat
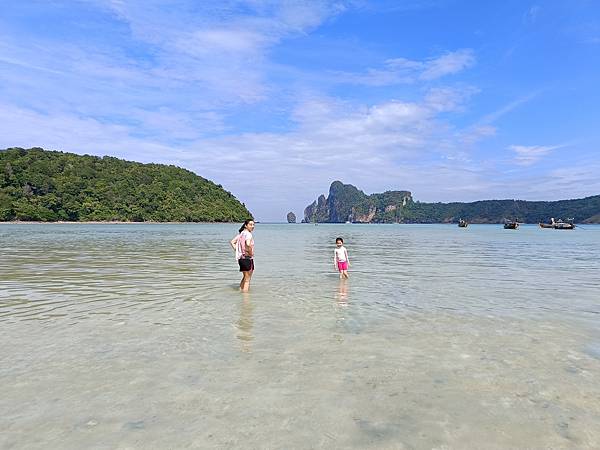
<point>511,224</point>
<point>559,224</point>
<point>462,223</point>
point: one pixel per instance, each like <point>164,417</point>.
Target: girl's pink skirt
<point>342,265</point>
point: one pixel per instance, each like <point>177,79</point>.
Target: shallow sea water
<point>135,336</point>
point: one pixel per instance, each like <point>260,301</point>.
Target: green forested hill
<point>41,185</point>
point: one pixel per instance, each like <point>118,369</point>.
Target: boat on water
<point>462,223</point>
<point>511,224</point>
<point>559,224</point>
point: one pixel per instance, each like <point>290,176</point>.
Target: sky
<point>453,100</point>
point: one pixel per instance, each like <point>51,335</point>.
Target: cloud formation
<point>240,92</point>
<point>528,155</point>
<point>402,70</point>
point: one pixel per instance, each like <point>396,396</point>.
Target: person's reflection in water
<point>245,323</point>
<point>341,295</point>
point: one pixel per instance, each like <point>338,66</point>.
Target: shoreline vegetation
<point>107,222</point>
<point>92,222</point>
<point>346,203</point>
<point>38,185</point>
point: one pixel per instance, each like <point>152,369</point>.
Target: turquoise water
<point>135,336</point>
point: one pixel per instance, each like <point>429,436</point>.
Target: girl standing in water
<point>340,258</point>
<point>243,244</point>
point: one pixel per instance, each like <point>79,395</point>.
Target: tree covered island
<point>40,185</point>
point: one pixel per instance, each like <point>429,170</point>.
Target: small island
<point>49,186</point>
<point>291,217</point>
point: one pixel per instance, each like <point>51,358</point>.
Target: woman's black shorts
<point>246,264</point>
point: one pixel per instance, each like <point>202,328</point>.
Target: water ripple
<point>51,272</point>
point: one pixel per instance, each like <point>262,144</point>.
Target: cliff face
<point>317,211</point>
<point>346,203</point>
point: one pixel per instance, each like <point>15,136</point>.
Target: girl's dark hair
<point>246,222</point>
<point>339,239</point>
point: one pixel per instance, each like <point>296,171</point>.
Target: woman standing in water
<point>243,244</point>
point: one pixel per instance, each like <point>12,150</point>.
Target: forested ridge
<point>41,185</point>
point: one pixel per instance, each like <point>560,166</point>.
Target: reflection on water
<point>341,295</point>
<point>245,323</point>
<point>133,336</point>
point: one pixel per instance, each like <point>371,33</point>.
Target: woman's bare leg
<point>245,284</point>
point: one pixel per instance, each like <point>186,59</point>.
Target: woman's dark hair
<point>246,222</point>
<point>336,239</point>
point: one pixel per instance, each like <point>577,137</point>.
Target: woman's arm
<point>249,249</point>
<point>233,242</point>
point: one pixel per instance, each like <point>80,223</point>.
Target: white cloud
<point>474,134</point>
<point>380,146</point>
<point>495,115</point>
<point>448,99</point>
<point>207,63</point>
<point>528,155</point>
<point>405,71</point>
<point>67,132</point>
<point>228,41</point>
<point>574,181</point>
<point>28,65</point>
<point>448,64</point>
<point>219,46</point>
<point>237,26</point>
<point>332,139</point>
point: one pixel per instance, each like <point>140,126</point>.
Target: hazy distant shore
<point>64,222</point>
<point>112,222</point>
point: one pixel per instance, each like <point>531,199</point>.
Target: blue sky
<point>452,100</point>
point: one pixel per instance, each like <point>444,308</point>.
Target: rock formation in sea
<point>346,203</point>
<point>291,217</point>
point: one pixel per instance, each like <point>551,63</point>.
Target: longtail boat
<point>559,224</point>
<point>463,223</point>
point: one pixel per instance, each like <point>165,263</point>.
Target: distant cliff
<point>346,203</point>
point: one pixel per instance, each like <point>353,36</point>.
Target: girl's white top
<point>341,254</point>
<point>240,247</point>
